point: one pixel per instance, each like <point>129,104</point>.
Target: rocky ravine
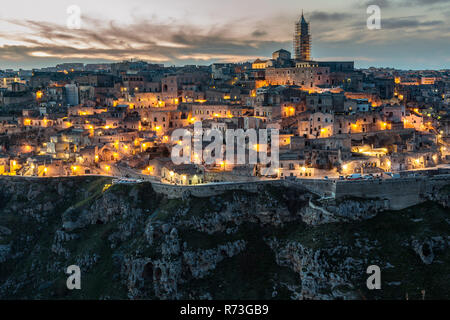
<point>279,243</point>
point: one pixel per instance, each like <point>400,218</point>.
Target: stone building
<point>302,40</point>
<point>306,75</point>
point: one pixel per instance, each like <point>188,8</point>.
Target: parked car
<point>355,176</point>
<point>368,177</point>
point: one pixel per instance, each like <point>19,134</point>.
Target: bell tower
<point>302,40</point>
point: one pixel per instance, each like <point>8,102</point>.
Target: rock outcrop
<point>347,210</point>
<point>277,243</point>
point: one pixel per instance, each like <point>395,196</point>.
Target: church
<point>302,40</point>
<point>301,71</point>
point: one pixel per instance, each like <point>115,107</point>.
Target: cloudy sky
<point>414,34</point>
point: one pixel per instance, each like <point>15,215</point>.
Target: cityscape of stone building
<point>351,144</point>
<point>117,119</point>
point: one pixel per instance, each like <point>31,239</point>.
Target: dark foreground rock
<point>278,243</point>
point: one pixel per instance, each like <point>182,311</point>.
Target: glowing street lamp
<point>388,163</point>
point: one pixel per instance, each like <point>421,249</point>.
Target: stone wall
<point>321,187</point>
<point>402,193</point>
<point>211,189</point>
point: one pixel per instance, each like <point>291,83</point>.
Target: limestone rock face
<point>316,274</point>
<point>72,220</point>
<point>330,211</point>
<point>149,233</point>
<point>426,249</point>
<point>5,231</point>
<point>4,252</point>
<point>201,262</point>
<point>133,243</point>
<point>441,196</point>
<point>266,211</point>
<point>166,273</point>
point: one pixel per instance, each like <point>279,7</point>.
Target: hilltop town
<point>118,179</point>
<point>334,121</point>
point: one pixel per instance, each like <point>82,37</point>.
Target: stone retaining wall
<point>401,193</point>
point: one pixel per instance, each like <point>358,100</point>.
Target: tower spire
<point>302,40</point>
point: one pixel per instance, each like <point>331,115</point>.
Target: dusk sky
<point>415,34</point>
